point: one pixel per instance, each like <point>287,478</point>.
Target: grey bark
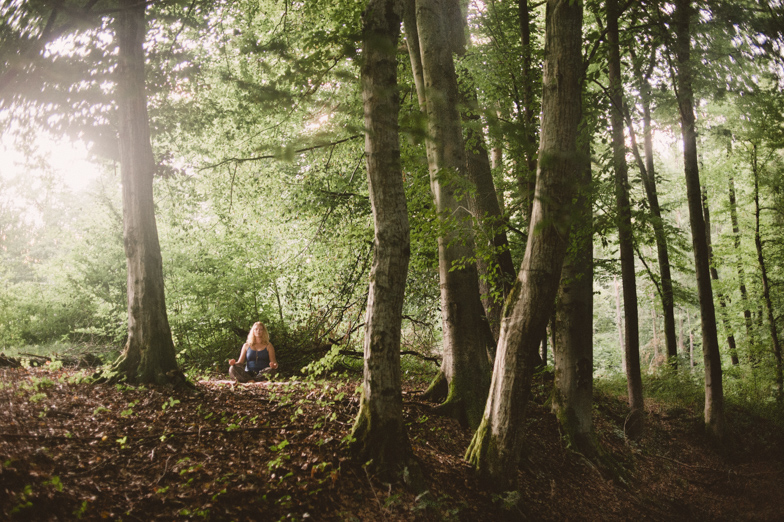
<point>573,330</point>
<point>468,340</point>
<point>148,355</point>
<point>379,430</point>
<point>496,446</point>
<point>715,422</point>
<point>635,421</point>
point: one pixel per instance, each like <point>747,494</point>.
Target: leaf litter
<point>72,450</point>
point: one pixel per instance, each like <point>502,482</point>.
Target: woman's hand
<point>273,365</point>
<point>232,362</point>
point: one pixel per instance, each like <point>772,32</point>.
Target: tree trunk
<point>744,295</point>
<point>619,323</point>
<point>528,181</point>
<point>725,320</point>
<point>648,174</point>
<point>148,356</point>
<point>573,330</point>
<point>774,335</point>
<point>714,395</point>
<point>379,429</point>
<point>681,344</point>
<point>496,445</point>
<point>635,422</point>
<point>467,336</point>
<point>494,259</point>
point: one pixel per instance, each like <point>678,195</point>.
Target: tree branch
<point>274,156</point>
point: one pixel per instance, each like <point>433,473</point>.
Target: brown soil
<point>276,451</point>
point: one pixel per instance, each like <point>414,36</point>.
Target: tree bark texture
<point>573,330</point>
<point>774,335</point>
<point>634,424</point>
<point>714,394</point>
<point>379,430</point>
<point>496,445</point>
<point>149,355</point>
<point>467,336</point>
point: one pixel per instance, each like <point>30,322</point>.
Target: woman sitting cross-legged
<point>258,354</point>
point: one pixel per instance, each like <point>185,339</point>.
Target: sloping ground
<point>273,451</point>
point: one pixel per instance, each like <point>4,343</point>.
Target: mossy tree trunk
<point>379,430</point>
<point>465,370</point>
<point>149,355</point>
<point>573,329</point>
<point>496,446</point>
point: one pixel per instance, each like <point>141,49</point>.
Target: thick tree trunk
<point>467,336</point>
<point>774,333</point>
<point>725,320</point>
<point>379,429</point>
<point>573,330</point>
<point>744,295</point>
<point>648,174</point>
<point>715,423</point>
<point>635,421</point>
<point>149,355</point>
<point>496,446</point>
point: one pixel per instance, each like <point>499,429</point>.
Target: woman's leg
<point>265,374</point>
<point>239,374</point>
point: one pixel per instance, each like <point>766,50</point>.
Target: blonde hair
<point>262,338</point>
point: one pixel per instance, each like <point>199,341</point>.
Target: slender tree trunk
<point>573,330</point>
<point>654,329</point>
<point>496,445</point>
<point>714,395</point>
<point>530,79</point>
<point>691,341</point>
<point>681,344</point>
<point>494,259</point>
<point>733,348</point>
<point>619,323</point>
<point>148,356</point>
<point>635,422</point>
<point>648,174</point>
<point>774,335</point>
<point>468,340</point>
<point>379,430</point>
<point>744,295</point>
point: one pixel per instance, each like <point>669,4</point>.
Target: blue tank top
<point>257,360</point>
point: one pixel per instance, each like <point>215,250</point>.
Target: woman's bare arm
<point>242,356</point>
<point>273,361</point>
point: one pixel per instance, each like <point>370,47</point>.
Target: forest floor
<point>277,451</point>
